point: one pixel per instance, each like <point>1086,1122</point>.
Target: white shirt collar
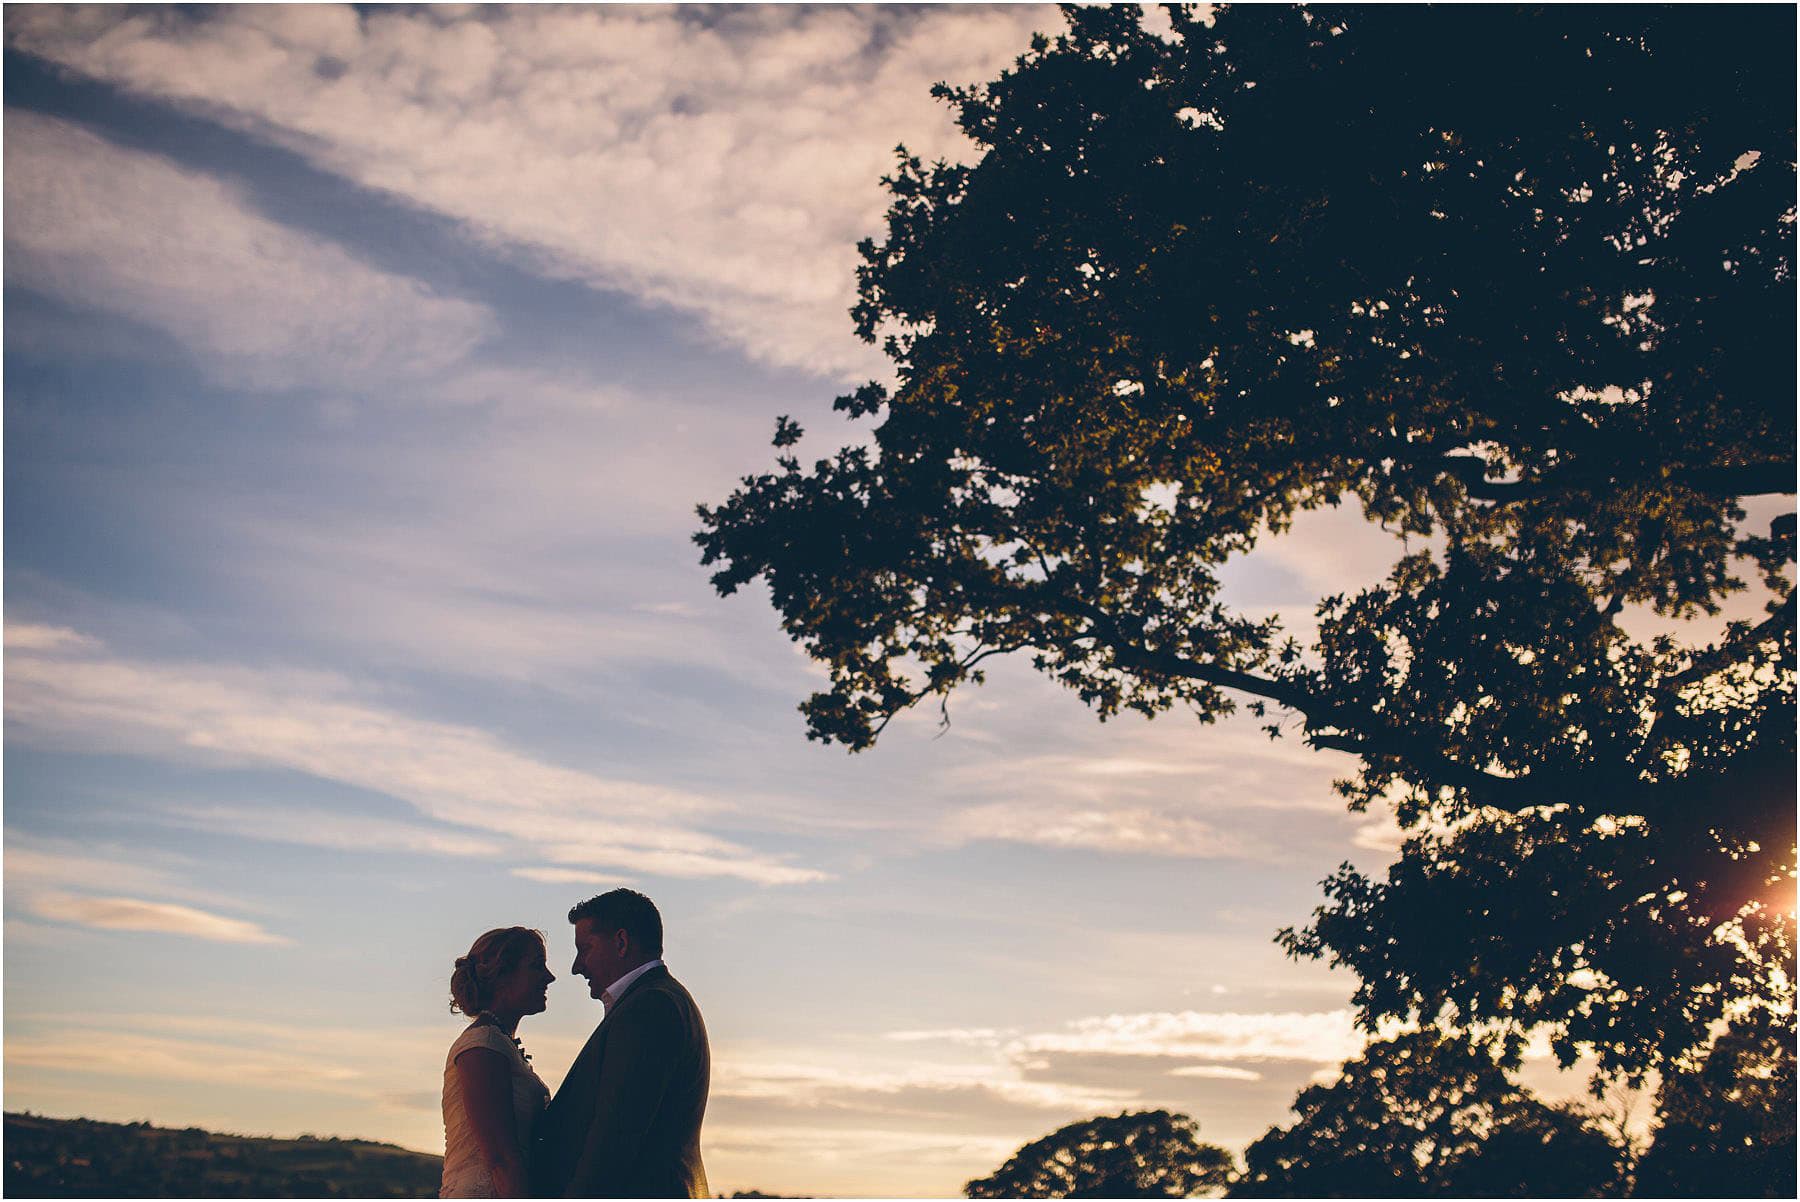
<point>613,992</point>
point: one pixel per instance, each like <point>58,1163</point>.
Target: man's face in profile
<point>599,956</point>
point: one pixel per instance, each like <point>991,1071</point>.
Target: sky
<point>362,373</point>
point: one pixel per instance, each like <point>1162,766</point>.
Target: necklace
<point>487,1016</point>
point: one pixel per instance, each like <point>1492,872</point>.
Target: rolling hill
<point>82,1158</point>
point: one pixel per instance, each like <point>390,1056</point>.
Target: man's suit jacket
<point>626,1121</point>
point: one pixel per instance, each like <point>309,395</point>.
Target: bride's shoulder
<point>481,1033</point>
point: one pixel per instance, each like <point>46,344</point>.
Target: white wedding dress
<point>465,1169</point>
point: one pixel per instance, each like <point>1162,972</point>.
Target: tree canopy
<point>1727,1125</point>
<point>1147,1154</point>
<point>1517,283</point>
<point>1423,1115</point>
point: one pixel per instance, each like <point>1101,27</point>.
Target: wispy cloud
<point>1215,1072</point>
<point>1161,789</point>
<point>334,829</point>
<point>1327,550</point>
<point>1382,835</point>
<point>1098,827</point>
<point>1013,1085</point>
<point>318,724</point>
<point>136,914</point>
<point>723,163</point>
<point>259,304</point>
<point>65,882</point>
<point>38,862</point>
<point>137,1055</point>
<point>929,1088</point>
<point>1219,1043</point>
<point>27,636</point>
<point>569,876</point>
<point>979,1036</point>
<point>1321,1037</point>
<point>523,591</point>
<point>217,1049</point>
<point>1002,1079</point>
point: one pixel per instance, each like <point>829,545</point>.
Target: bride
<point>491,1095</point>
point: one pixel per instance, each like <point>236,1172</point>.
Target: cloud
<point>554,537</point>
<point>263,306</point>
<point>1099,827</point>
<point>37,863</point>
<point>382,1065</point>
<point>1321,1037</point>
<point>978,1081</point>
<point>915,1090</point>
<point>982,1036</point>
<point>1233,765</point>
<point>716,858</point>
<point>317,724</point>
<point>1168,788</point>
<point>125,1054</point>
<point>260,305</point>
<point>1056,1057</point>
<point>721,162</point>
<point>569,876</point>
<point>23,933</point>
<point>1117,766</point>
<point>1327,550</point>
<point>1383,835</point>
<point>817,1160</point>
<point>226,1051</point>
<point>1215,1072</point>
<point>1103,1047</point>
<point>63,881</point>
<point>309,827</point>
<point>135,914</point>
<point>1149,789</point>
<point>26,636</point>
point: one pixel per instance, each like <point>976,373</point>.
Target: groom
<point>626,1122</point>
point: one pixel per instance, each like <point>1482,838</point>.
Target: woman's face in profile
<point>526,989</point>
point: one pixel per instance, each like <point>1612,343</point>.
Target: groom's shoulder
<point>670,993</point>
<point>655,1010</point>
<point>663,982</point>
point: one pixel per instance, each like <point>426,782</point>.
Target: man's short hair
<point>624,910</point>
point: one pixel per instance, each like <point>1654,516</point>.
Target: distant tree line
<point>1429,1115</point>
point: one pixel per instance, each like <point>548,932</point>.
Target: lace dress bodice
<point>465,1169</point>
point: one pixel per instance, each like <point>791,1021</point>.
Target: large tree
<point>1516,282</point>
<point>1146,1154</point>
<point>1422,1115</point>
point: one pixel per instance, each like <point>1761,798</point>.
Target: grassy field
<point>79,1158</point>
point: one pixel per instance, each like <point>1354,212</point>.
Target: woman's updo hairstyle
<point>493,956</point>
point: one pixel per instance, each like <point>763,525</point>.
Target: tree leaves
<point>1422,1115</point>
<point>1147,1154</point>
<point>1511,279</point>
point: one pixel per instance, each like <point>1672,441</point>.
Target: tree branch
<point>1730,652</point>
<point>963,667</point>
<point>1502,792</point>
<point>1732,480</point>
<point>1510,793</point>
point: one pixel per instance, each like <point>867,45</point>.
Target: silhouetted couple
<point>626,1121</point>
